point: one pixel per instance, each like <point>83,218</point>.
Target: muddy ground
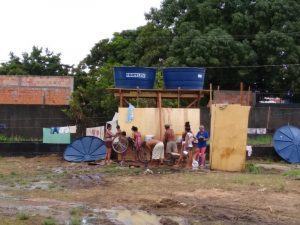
<point>48,190</point>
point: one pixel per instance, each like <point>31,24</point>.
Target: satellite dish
<point>85,149</point>
<point>286,142</point>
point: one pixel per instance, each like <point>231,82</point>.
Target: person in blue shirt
<point>202,138</point>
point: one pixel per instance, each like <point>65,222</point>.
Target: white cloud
<point>70,27</point>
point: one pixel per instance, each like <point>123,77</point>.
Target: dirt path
<point>108,195</point>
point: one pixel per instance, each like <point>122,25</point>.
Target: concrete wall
<point>271,117</point>
<point>36,90</point>
<point>28,120</point>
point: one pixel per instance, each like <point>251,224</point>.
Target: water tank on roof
<point>286,142</point>
<point>184,78</point>
<point>134,77</point>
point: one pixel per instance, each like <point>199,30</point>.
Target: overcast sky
<point>69,27</point>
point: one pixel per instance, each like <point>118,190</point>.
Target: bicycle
<point>122,144</point>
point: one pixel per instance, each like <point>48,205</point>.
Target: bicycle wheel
<point>144,155</point>
<point>120,144</point>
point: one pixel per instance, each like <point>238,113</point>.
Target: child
<point>137,139</point>
<point>123,140</point>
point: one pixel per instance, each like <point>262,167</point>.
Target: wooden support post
<point>210,93</point>
<point>248,95</point>
<point>160,115</point>
<point>137,97</point>
<point>126,101</point>
<point>241,92</point>
<point>178,98</point>
<point>268,118</point>
<point>121,98</point>
<point>192,103</point>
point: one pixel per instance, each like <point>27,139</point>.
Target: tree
<point>234,39</point>
<point>37,62</point>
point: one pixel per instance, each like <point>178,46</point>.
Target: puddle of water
<point>138,217</point>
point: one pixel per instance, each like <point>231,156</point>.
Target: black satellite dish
<point>85,149</point>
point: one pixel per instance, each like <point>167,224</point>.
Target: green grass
<point>252,168</point>
<point>49,221</point>
<point>295,174</point>
<point>5,139</point>
<point>76,211</point>
<point>22,216</point>
<point>75,221</point>
<point>260,140</point>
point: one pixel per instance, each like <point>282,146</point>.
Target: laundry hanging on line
<point>257,130</point>
<point>96,132</point>
<point>51,137</point>
<point>64,130</point>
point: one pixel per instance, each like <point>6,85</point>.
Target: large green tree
<point>254,41</point>
<point>38,62</point>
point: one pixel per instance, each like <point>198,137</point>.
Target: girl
<point>137,139</point>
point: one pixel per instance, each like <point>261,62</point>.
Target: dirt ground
<point>49,191</point>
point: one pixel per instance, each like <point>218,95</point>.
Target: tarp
<point>55,138</point>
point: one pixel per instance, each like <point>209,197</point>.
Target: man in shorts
<point>170,140</point>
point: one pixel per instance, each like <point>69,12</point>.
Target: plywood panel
<point>229,124</point>
<point>147,120</point>
<point>177,117</point>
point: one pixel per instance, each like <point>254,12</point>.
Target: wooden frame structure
<point>158,94</point>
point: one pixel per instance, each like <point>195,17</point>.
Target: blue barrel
<point>134,77</point>
<point>184,78</point>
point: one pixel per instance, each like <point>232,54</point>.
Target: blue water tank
<point>184,78</point>
<point>134,77</point>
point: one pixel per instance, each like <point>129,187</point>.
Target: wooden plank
<point>147,120</point>
<point>160,116</point>
<point>229,137</point>
<point>154,95</point>
<point>241,92</point>
<point>193,103</point>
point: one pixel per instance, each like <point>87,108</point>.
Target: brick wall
<point>233,97</point>
<point>36,90</point>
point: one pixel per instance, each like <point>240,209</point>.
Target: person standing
<point>186,146</point>
<point>137,137</point>
<point>189,139</point>
<point>108,142</point>
<point>169,138</point>
<point>202,137</point>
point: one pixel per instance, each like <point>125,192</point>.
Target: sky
<point>69,27</point>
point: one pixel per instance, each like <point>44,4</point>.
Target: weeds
<point>76,211</point>
<point>75,221</point>
<point>49,221</point>
<point>23,216</point>
<point>294,174</point>
<point>252,168</point>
